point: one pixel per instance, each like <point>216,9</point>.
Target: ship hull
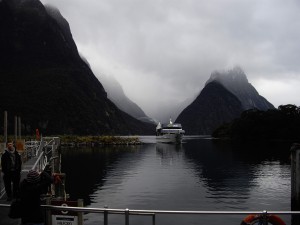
<point>169,138</point>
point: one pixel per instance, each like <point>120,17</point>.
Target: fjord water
<point>199,174</point>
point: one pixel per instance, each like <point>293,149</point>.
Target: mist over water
<point>200,174</point>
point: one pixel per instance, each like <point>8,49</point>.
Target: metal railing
<point>45,153</point>
<point>133,212</point>
<point>41,162</point>
<point>32,148</point>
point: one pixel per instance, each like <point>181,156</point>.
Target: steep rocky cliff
<point>45,81</point>
<point>214,106</point>
<point>225,96</point>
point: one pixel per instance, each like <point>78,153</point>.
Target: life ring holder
<point>255,219</point>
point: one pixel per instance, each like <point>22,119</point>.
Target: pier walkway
<point>36,156</point>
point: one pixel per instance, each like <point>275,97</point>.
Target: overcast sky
<point>163,51</point>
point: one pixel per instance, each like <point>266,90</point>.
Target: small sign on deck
<point>64,220</point>
<point>64,217</point>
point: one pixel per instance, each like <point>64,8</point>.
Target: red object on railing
<point>37,133</point>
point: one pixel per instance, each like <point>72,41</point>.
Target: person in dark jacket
<point>31,189</point>
<point>11,164</point>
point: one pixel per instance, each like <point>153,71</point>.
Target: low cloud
<point>163,52</point>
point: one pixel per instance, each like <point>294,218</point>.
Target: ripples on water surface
<point>198,175</point>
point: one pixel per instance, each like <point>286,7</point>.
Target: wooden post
<point>48,212</point>
<point>5,127</point>
<point>19,128</point>
<point>16,128</point>
<point>57,160</point>
<point>80,214</point>
<point>295,174</point>
<point>55,153</point>
<point>295,181</point>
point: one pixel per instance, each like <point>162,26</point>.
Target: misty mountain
<point>225,96</point>
<point>116,94</point>
<point>45,81</point>
<point>236,81</point>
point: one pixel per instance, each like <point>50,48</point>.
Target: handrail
<point>147,212</point>
<point>138,211</point>
<point>152,213</point>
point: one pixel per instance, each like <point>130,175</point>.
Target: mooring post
<point>295,175</point>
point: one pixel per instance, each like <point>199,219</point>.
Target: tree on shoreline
<point>282,123</point>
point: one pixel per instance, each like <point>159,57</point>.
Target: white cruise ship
<point>169,133</point>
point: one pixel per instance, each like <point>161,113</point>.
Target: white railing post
<point>105,216</point>
<point>127,216</point>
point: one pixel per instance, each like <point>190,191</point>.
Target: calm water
<point>201,174</point>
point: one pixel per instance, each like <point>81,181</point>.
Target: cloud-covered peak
<point>235,80</point>
<point>235,75</point>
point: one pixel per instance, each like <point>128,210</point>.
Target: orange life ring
<point>253,219</point>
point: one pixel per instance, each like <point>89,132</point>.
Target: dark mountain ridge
<point>214,106</point>
<point>224,97</point>
<point>45,81</point>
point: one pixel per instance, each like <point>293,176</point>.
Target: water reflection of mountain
<point>89,167</point>
<point>199,174</point>
<point>230,172</point>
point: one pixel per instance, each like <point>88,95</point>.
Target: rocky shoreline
<point>94,141</point>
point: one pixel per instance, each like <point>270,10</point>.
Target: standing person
<point>11,164</point>
<point>31,189</point>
